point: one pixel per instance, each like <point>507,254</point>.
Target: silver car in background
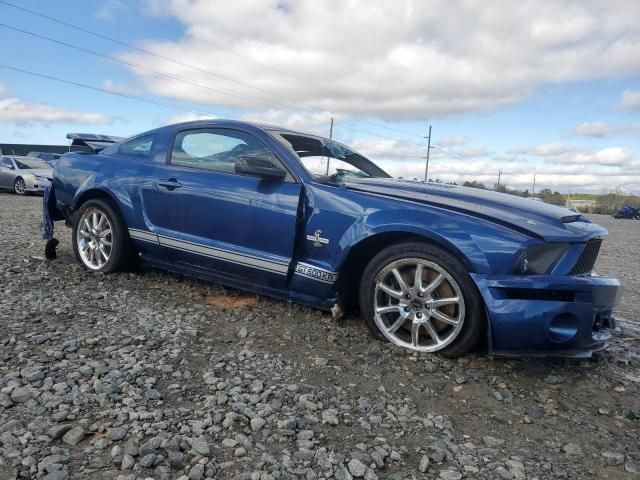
<point>24,174</point>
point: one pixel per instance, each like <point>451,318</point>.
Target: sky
<point>549,89</point>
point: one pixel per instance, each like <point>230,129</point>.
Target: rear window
<point>141,147</point>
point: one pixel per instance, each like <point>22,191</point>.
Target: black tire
<point>473,320</point>
<point>19,186</point>
<point>121,252</point>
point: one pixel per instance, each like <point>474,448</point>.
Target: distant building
<point>22,149</point>
<point>581,205</point>
<point>80,142</point>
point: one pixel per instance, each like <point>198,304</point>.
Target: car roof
<point>231,123</point>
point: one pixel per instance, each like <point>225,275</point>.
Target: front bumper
<point>545,315</point>
<point>34,185</point>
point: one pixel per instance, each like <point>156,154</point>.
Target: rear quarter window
<point>141,147</point>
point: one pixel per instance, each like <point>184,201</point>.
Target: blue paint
<point>252,233</point>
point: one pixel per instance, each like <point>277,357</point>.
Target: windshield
<point>327,160</point>
<point>26,163</point>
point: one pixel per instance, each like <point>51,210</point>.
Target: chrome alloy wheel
<point>95,238</point>
<point>20,187</point>
<point>418,305</point>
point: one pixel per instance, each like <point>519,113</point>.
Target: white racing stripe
<point>143,235</point>
<point>225,255</point>
<point>304,269</point>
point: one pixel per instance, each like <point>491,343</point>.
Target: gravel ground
<point>153,375</point>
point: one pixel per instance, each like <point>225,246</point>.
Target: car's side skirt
<point>304,270</point>
<point>321,303</point>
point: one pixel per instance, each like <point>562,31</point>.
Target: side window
<point>214,149</point>
<point>138,147</point>
<point>6,162</point>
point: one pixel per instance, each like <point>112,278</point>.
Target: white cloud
<point>564,178</point>
<point>318,124</point>
<point>187,117</point>
<point>452,141</point>
<point>602,129</point>
<point>546,150</point>
<point>472,152</point>
<point>557,165</point>
<point>393,59</point>
<point>609,156</point>
<point>593,129</point>
<point>630,100</point>
<point>13,109</point>
<point>111,9</point>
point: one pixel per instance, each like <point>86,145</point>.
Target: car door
<point>208,216</point>
<point>7,172</point>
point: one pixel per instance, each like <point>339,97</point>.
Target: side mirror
<point>259,165</point>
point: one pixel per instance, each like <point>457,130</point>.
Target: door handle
<point>170,184</point>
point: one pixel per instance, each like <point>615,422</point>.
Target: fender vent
<point>588,258</point>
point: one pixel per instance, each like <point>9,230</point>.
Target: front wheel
<point>420,297</point>
<point>100,239</point>
<point>19,186</point>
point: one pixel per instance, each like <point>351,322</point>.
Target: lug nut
<point>419,315</point>
<point>408,297</point>
<point>420,294</point>
<point>406,309</point>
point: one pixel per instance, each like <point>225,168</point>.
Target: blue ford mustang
<point>431,267</point>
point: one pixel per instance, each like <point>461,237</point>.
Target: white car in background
<point>24,174</point>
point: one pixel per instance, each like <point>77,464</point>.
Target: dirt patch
<point>224,300</point>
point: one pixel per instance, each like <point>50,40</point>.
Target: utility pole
<point>534,184</point>
<point>330,137</point>
<point>429,147</point>
<point>499,175</point>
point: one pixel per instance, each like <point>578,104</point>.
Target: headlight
<point>540,259</point>
<point>42,179</point>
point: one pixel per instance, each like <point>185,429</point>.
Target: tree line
<point>606,203</point>
<point>546,194</point>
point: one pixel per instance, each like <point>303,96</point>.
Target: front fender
<point>483,246</point>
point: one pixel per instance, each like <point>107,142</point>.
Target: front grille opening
<point>531,294</point>
<point>588,258</point>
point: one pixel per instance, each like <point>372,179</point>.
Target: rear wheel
<point>100,239</point>
<point>19,186</point>
<point>420,297</point>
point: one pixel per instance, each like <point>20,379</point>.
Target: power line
<point>142,67</point>
<point>110,92</point>
<point>178,62</point>
<point>265,102</point>
<point>124,95</point>
<point>449,152</point>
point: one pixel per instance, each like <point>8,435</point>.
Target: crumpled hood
<point>550,222</point>
<point>38,172</point>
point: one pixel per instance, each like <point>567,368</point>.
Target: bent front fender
<point>483,247</point>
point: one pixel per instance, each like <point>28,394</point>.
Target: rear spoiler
<point>92,141</point>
